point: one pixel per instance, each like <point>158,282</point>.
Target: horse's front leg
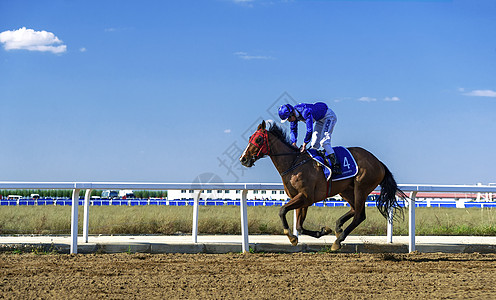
<point>301,214</point>
<point>296,202</point>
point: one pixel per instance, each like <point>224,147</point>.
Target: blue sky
<point>167,91</point>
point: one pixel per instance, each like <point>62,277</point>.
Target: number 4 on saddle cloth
<point>348,164</point>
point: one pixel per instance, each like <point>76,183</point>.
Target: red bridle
<point>263,146</point>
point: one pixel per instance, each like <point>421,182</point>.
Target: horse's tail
<point>387,200</point>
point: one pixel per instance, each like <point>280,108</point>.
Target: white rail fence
<point>410,189</point>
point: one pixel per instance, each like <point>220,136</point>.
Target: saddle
<point>347,161</point>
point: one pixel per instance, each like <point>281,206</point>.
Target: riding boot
<point>335,166</point>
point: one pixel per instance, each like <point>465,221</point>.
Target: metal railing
<point>412,189</point>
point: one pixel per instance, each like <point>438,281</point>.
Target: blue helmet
<point>285,111</point>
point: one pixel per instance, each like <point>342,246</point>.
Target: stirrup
<point>336,169</point>
<point>335,165</point>
<point>327,161</point>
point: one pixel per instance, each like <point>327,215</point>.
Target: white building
<point>228,195</point>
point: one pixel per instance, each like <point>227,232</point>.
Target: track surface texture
<point>248,276</point>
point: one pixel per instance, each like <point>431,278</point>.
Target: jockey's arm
<point>307,115</point>
<point>294,132</point>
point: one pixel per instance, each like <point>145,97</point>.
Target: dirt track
<point>254,276</point>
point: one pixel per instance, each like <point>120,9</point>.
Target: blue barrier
<point>121,202</point>
<point>100,202</point>
<point>8,202</point>
<point>220,202</point>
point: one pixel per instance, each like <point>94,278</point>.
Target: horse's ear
<point>262,125</point>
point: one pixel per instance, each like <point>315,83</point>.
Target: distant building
<point>126,194</point>
<point>228,194</point>
<point>231,195</point>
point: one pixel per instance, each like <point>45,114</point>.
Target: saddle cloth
<point>348,164</point>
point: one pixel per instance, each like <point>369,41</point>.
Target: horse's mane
<point>281,134</point>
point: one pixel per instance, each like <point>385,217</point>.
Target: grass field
<point>226,220</point>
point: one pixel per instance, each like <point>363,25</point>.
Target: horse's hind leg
<point>301,214</point>
<point>340,222</point>
<point>358,217</point>
<point>349,196</point>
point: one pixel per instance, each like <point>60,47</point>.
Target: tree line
<point>68,193</point>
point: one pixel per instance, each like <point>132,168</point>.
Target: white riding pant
<point>322,132</point>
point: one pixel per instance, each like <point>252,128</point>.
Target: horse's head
<point>257,148</point>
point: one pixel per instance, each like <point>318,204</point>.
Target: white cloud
<point>391,99</point>
<point>248,3</point>
<point>82,49</point>
<point>482,93</point>
<point>367,99</point>
<point>251,3</point>
<point>246,56</point>
<point>29,39</point>
<point>118,29</point>
<point>227,131</point>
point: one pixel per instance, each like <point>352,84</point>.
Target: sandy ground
<point>253,276</point>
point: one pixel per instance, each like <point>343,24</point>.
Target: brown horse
<point>305,184</point>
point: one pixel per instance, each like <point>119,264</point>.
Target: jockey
<point>324,118</point>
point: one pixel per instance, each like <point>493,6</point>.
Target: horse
<point>305,183</point>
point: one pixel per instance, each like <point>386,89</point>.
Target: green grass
<point>226,220</point>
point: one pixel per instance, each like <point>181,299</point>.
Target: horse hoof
<point>326,230</point>
<point>292,238</point>
<point>336,246</point>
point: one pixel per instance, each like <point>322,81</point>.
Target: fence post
<point>390,225</point>
<point>196,203</point>
<point>74,220</point>
<point>295,232</point>
<point>86,220</point>
<point>245,245</point>
<point>411,221</point>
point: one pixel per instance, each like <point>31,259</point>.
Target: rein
<point>286,153</point>
<point>264,149</point>
<point>293,166</point>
